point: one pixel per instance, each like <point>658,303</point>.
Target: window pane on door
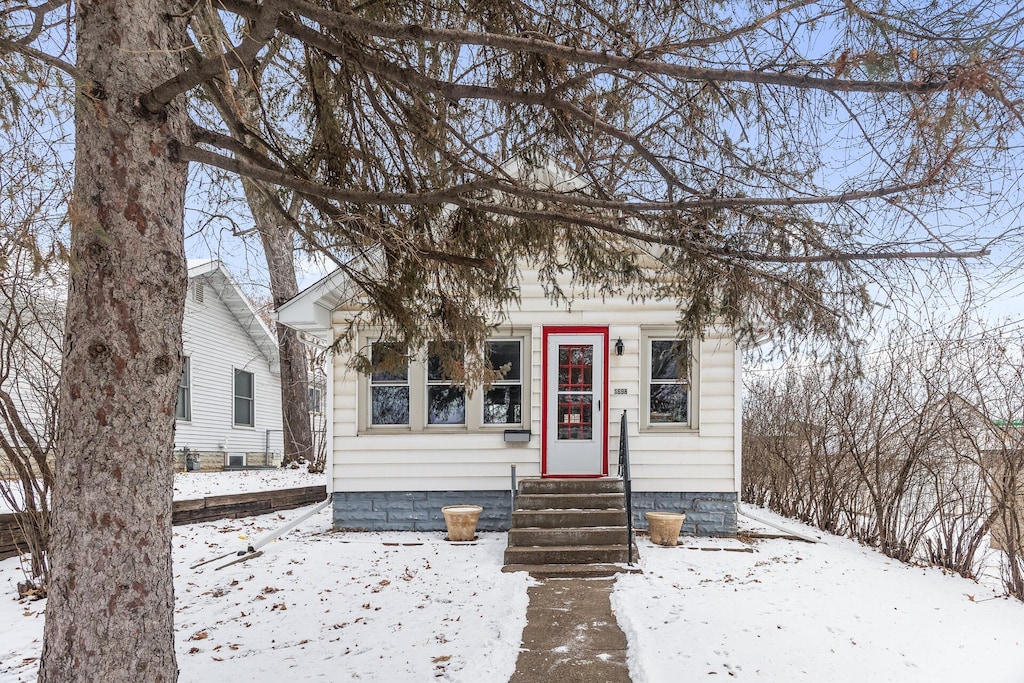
<point>575,417</point>
<point>575,367</point>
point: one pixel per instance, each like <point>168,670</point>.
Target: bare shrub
<point>31,313</point>
<point>916,449</point>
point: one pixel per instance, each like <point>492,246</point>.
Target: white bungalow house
<point>403,443</point>
<point>229,398</point>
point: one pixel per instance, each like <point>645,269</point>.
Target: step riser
<point>553,519</point>
<point>566,555</point>
<point>528,486</point>
<point>570,501</point>
<point>577,536</point>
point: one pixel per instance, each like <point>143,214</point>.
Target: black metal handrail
<point>627,483</point>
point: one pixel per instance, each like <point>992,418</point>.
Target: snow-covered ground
<point>189,485</point>
<point>320,605</point>
<point>793,611</point>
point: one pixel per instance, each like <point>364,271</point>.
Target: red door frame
<point>580,329</point>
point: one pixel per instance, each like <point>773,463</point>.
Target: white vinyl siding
<point>215,344</point>
<point>699,456</point>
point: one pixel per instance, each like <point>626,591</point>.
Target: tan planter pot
<point>461,521</point>
<point>664,527</point>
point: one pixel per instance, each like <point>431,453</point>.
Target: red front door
<point>575,397</point>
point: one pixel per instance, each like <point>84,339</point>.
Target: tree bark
<point>278,246</point>
<point>111,601</point>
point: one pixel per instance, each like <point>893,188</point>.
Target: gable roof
<point>213,273</point>
<point>310,310</point>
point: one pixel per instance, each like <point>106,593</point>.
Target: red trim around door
<point>583,329</point>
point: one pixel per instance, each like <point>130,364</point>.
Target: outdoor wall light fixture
<point>619,347</point>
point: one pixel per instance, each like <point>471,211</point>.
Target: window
<point>316,399</point>
<point>424,390</point>
<point>669,382</point>
<point>389,385</point>
<point>245,399</point>
<point>183,409</point>
<point>503,402</point>
<point>446,401</point>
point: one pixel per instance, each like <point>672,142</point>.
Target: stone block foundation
<point>416,510</point>
<point>707,514</point>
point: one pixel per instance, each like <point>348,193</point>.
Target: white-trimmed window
<point>668,394</point>
<point>389,385</point>
<point>423,391</point>
<point>316,398</point>
<point>183,408</point>
<point>503,402</point>
<point>245,399</point>
<point>446,401</point>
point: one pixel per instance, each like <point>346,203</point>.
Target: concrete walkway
<point>571,635</point>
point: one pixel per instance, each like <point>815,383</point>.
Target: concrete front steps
<point>568,528</point>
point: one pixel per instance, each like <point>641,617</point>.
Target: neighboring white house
<point>229,399</point>
<point>405,442</point>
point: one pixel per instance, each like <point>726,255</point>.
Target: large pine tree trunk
<point>111,603</point>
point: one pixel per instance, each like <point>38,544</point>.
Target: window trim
<point>442,382</point>
<point>417,378</point>
<point>315,397</point>
<point>524,373</point>
<point>366,417</point>
<point>184,383</point>
<point>652,334</point>
<point>235,396</point>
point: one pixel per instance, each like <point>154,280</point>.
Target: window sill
<point>674,428</point>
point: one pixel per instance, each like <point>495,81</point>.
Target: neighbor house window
<point>446,401</point>
<point>245,399</point>
<point>183,409</point>
<point>503,402</point>
<point>389,385</point>
<point>669,382</point>
<point>316,399</point>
